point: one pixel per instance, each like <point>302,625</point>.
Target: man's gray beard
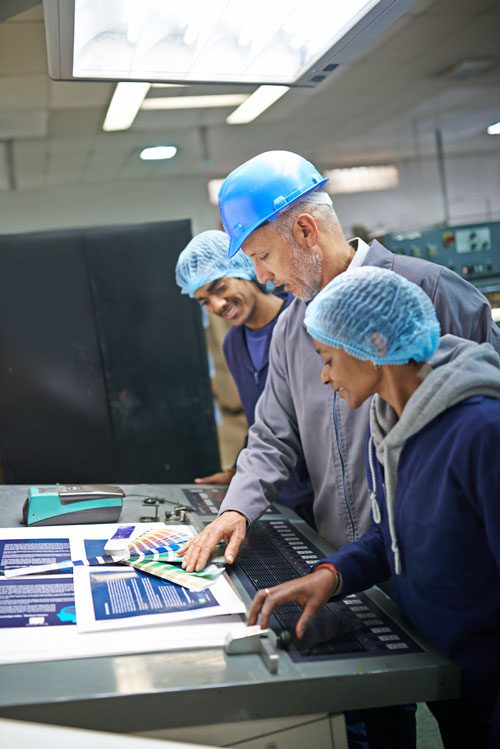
<point>306,268</point>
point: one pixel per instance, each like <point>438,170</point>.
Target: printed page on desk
<point>38,614</point>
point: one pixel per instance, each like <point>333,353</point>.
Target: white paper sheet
<point>25,645</point>
<point>36,639</point>
<point>220,598</point>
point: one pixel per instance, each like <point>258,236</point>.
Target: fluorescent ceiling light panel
<point>210,40</point>
<point>158,153</point>
<point>193,102</point>
<point>256,103</point>
<point>124,105</point>
<point>214,186</point>
<point>362,179</point>
<point>494,129</point>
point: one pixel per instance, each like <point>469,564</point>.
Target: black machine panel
<point>276,551</point>
<point>207,499</point>
<point>103,369</point>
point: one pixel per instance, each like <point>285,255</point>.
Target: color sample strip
<point>163,545</point>
<point>193,581</point>
<point>164,541</point>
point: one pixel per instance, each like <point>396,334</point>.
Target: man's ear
<point>305,231</point>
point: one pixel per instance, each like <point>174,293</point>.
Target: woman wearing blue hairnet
<point>434,477</point>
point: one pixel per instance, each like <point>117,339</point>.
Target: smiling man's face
<point>234,299</point>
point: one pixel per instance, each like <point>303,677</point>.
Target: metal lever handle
<point>255,640</point>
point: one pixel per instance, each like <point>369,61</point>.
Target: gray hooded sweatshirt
<point>459,370</point>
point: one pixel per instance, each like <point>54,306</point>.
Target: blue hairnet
<point>205,259</point>
<point>375,315</point>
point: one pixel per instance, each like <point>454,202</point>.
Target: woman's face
<point>352,379</point>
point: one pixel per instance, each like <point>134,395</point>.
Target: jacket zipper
<point>341,456</point>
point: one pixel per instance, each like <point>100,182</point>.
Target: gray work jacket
<point>296,410</point>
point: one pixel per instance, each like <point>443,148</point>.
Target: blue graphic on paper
<point>94,547</point>
<point>120,595</point>
<point>67,614</point>
<point>25,552</point>
<point>36,602</point>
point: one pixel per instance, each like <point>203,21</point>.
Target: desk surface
<point>170,689</point>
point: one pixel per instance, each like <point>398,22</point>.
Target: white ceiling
<point>384,108</point>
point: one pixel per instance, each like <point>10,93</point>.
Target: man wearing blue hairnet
<point>227,287</point>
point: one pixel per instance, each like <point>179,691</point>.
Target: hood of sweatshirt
<point>459,370</point>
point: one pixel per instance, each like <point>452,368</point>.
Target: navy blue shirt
<point>447,521</point>
<point>241,346</point>
<point>256,341</point>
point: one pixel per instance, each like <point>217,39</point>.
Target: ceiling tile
<point>454,7</point>
<point>75,122</point>
<point>413,41</point>
<point>22,49</point>
<point>79,95</point>
<point>23,125</point>
<point>23,92</point>
<point>30,163</point>
<point>34,14</point>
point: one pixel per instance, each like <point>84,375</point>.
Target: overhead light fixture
<point>193,102</point>
<point>214,186</point>
<point>494,129</point>
<point>256,103</point>
<point>362,179</point>
<point>158,153</point>
<point>124,105</point>
<point>286,42</point>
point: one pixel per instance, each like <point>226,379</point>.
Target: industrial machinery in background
<point>471,250</point>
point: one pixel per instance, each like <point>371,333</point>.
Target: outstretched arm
<point>230,527</point>
<point>310,591</point>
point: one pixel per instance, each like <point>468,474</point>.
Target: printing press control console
<point>275,551</point>
<point>358,653</point>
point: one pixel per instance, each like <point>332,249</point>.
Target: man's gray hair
<point>319,204</point>
<point>317,197</point>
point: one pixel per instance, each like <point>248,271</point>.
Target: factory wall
<point>473,191</point>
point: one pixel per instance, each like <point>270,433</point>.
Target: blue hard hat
<point>259,189</point>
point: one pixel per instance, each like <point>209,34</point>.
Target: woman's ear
<point>379,343</point>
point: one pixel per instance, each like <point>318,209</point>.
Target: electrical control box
<point>472,250</point>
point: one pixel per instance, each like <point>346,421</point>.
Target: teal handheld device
<point>69,505</point>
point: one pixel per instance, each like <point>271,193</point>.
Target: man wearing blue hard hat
<point>274,210</point>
